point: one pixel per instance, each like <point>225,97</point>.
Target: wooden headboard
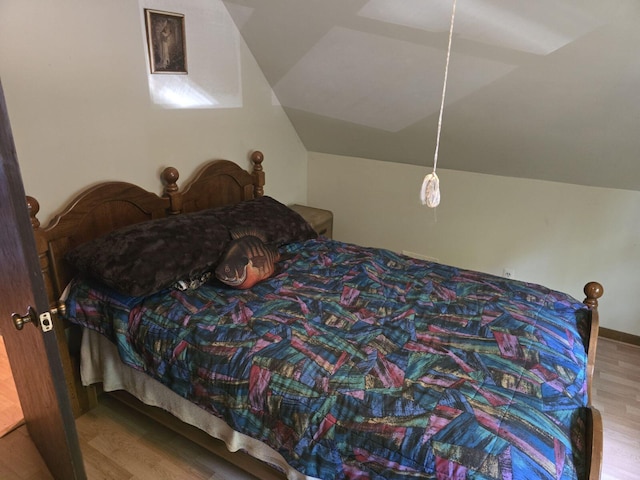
<point>108,206</point>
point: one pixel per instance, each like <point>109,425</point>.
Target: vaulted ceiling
<point>545,89</point>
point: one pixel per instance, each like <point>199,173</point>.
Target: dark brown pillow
<point>147,257</point>
<point>279,223</point>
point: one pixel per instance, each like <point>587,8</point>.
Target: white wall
<point>558,235</point>
<point>76,80</point>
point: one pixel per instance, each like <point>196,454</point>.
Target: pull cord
<point>430,191</point>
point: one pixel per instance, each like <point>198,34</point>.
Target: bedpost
<point>595,432</point>
<point>34,207</point>
<point>593,291</point>
<point>170,177</point>
<point>82,399</point>
<point>258,173</point>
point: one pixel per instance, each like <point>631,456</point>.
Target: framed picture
<point>166,39</point>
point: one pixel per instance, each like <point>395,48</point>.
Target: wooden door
<point>33,354</point>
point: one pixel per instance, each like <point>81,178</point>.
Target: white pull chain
<point>430,191</point>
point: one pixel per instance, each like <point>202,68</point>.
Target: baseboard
<point>619,336</point>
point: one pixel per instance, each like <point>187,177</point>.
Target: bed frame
<point>110,205</point>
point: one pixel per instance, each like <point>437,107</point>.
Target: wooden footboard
<point>595,434</point>
<point>594,426</point>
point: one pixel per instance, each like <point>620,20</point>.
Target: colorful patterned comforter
<point>360,363</point>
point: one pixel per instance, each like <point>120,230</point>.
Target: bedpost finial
<point>170,176</point>
<point>593,291</point>
<point>258,173</point>
<point>257,158</point>
<point>34,208</point>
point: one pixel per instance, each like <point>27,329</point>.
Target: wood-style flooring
<point>616,393</point>
<point>10,412</point>
<point>119,444</point>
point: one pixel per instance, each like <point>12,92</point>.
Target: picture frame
<point>166,42</point>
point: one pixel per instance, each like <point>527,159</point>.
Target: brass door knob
<point>31,317</point>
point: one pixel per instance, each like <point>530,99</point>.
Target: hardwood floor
<point>10,411</point>
<point>118,443</point>
<point>616,393</point>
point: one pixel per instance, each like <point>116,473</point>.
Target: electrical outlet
<point>508,272</point>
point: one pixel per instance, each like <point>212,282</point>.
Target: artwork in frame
<point>166,40</point>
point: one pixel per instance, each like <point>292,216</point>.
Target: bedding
<point>356,362</point>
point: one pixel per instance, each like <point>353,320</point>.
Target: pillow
<point>146,257</point>
<point>247,260</point>
<point>279,224</point>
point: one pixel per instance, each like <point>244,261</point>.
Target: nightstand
<point>321,220</point>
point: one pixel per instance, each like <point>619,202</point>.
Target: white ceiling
<point>546,89</point>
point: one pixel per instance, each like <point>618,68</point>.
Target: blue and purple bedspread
<point>361,363</point>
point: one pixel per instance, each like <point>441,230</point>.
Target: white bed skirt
<point>100,363</point>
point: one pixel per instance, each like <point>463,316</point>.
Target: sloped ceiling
<point>545,89</point>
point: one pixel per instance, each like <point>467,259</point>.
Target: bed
<point>344,362</point>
